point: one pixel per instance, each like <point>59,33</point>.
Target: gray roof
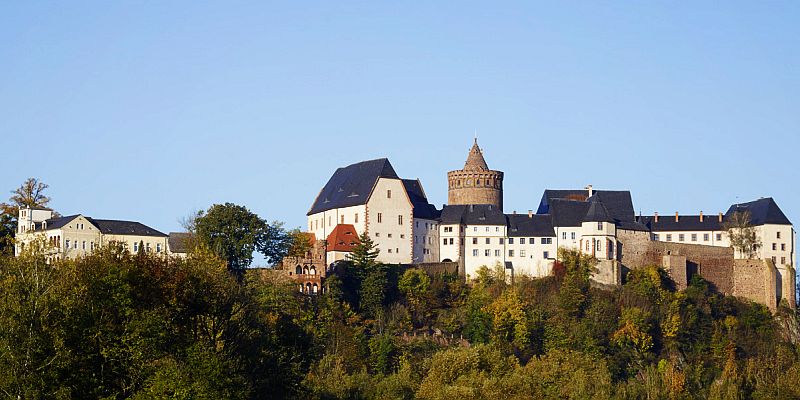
<point>422,209</point>
<point>667,223</point>
<point>597,212</point>
<point>568,212</point>
<point>618,203</point>
<point>762,211</point>
<point>179,242</point>
<point>105,226</point>
<point>116,227</point>
<point>473,214</point>
<point>521,225</point>
<point>351,185</point>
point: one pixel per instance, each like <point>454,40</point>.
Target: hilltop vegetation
<point>119,325</point>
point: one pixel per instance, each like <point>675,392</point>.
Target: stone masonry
<point>476,183</point>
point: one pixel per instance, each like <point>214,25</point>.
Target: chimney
<point>676,216</point>
<point>530,213</point>
<point>515,212</point>
<point>655,218</point>
<point>591,191</point>
<point>701,216</point>
<point>720,217</point>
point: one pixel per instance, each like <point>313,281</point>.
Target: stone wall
<point>756,280</point>
<point>714,264</point>
<point>463,187</point>
<point>439,268</point>
<point>607,273</point>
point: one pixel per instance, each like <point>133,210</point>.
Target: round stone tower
<point>476,183</point>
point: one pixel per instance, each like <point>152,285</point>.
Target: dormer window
<point>599,226</point>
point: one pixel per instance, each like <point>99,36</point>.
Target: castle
<point>472,230</point>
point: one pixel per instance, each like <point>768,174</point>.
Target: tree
<point>29,194</point>
<point>742,233</point>
<point>234,233</point>
<point>415,284</point>
<point>364,253</point>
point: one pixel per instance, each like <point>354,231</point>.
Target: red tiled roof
<point>343,238</point>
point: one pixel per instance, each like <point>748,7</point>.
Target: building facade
<point>74,236</point>
<point>473,231</point>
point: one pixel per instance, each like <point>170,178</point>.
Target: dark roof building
<point>352,185</point>
<point>521,225</point>
<point>762,211</point>
<point>422,208</point>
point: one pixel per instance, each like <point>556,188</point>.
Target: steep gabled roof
<point>116,227</point>
<point>422,209</point>
<point>762,211</point>
<point>521,225</point>
<point>351,185</point>
<point>343,238</point>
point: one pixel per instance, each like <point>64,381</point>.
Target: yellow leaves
<point>633,330</point>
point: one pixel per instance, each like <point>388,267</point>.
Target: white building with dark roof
<point>78,235</point>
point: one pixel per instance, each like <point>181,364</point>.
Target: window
<point>399,220</point>
<point>341,219</point>
<point>487,229</point>
<point>445,241</point>
<point>497,253</point>
<point>599,226</point>
<point>681,237</point>
<point>547,240</point>
<point>474,228</point>
<point>774,246</point>
<point>83,245</point>
<point>158,247</point>
<point>355,218</point>
<point>377,234</point>
<point>779,235</point>
<point>719,237</point>
<point>497,229</point>
<point>783,246</point>
<point>511,253</point>
<point>475,252</point>
<point>694,237</point>
<point>448,228</point>
<point>135,247</point>
<point>474,240</point>
<point>75,244</point>
<point>451,240</point>
<point>587,244</point>
<point>488,241</point>
<point>655,237</point>
<point>402,236</point>
<point>705,237</point>
<point>390,251</point>
<point>148,247</point>
<point>380,218</point>
<point>774,260</point>
<point>572,235</point>
<point>521,240</point>
<point>522,253</point>
<point>599,245</point>
<point>388,194</point>
<point>510,240</point>
<point>783,260</point>
<point>329,221</point>
<point>91,245</point>
<point>546,255</point>
<point>502,240</point>
<point>564,235</point>
<point>389,235</point>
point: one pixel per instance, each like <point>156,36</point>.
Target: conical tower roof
<point>475,159</point>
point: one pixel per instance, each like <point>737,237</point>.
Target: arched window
<point>313,271</point>
<point>301,288</point>
<point>298,270</point>
<point>315,288</point>
<point>305,271</point>
<point>308,287</point>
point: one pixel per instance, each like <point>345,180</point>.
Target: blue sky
<point>150,110</point>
